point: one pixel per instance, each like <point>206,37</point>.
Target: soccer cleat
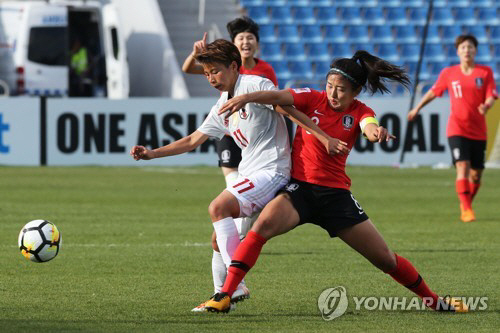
<point>467,215</point>
<point>221,302</point>
<point>240,295</point>
<point>451,304</point>
<point>200,308</point>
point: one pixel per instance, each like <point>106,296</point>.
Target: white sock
<point>219,271</point>
<point>228,238</point>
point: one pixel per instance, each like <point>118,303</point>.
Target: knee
<point>214,242</point>
<point>264,226</point>
<point>387,261</point>
<point>216,210</point>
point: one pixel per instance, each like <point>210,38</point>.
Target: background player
<point>472,93</point>
<point>319,189</point>
<point>244,33</point>
<point>259,132</point>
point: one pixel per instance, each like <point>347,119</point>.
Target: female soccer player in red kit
<point>318,191</point>
<point>472,93</point>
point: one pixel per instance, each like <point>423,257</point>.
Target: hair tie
<point>338,71</point>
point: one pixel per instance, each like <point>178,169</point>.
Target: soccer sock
<point>474,187</point>
<point>463,192</point>
<point>408,276</point>
<point>243,260</point>
<point>228,238</point>
<point>230,180</point>
<point>219,271</point>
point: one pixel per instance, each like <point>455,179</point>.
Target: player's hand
<point>412,114</point>
<point>200,45</point>
<point>141,153</point>
<point>336,147</point>
<point>233,105</point>
<point>483,108</point>
<point>382,134</point>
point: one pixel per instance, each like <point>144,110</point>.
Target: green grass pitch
<point>136,256</point>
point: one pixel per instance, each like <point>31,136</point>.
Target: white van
<point>36,41</point>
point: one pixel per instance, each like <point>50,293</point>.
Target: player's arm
<point>272,97</point>
<point>374,132</point>
<point>332,145</point>
<point>284,100</point>
<point>428,97</point>
<point>488,104</point>
<point>180,146</point>
<point>190,65</point>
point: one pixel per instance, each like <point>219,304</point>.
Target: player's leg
<point>475,181</point>
<point>478,148</point>
<point>229,159</point>
<point>222,210</point>
<point>460,151</point>
<point>278,217</point>
<point>219,272</point>
<point>365,239</point>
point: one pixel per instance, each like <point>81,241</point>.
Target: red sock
<point>408,276</point>
<point>474,187</point>
<point>243,260</point>
<point>463,191</point>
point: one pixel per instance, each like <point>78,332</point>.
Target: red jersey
<point>263,69</point>
<point>310,161</point>
<point>466,92</point>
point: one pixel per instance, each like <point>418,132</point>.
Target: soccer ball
<point>39,241</point>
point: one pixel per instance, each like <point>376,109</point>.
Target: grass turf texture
<point>136,256</point>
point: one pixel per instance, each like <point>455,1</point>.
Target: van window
<point>114,42</point>
<point>48,46</point>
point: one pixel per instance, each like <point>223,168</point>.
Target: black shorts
<point>332,209</point>
<point>464,149</point>
<point>229,152</point>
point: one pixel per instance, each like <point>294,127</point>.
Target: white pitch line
<point>182,171</point>
<point>185,244</point>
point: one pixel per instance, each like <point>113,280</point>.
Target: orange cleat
<point>467,215</point>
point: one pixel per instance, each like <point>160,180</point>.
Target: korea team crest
<point>347,121</point>
<point>479,82</point>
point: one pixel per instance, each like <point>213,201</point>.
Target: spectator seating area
<point>301,37</point>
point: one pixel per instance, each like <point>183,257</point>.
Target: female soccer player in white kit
<point>257,129</point>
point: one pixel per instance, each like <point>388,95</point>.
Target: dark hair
<point>368,71</point>
<point>220,51</point>
<point>242,24</point>
<point>462,38</point>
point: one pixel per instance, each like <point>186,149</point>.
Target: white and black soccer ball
<point>39,241</point>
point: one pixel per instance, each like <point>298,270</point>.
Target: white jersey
<point>257,129</point>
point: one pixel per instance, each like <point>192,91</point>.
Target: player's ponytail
<point>368,71</point>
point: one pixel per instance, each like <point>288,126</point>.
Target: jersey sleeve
<point>272,76</point>
<point>213,125</point>
<point>302,98</point>
<point>491,89</point>
<point>265,85</point>
<point>440,86</point>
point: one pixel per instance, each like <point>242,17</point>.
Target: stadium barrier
<point>69,131</point>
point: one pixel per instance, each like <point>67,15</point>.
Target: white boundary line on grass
<point>185,244</point>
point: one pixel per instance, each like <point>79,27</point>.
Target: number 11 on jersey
<point>240,137</point>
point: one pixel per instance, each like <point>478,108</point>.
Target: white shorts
<point>255,191</point>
